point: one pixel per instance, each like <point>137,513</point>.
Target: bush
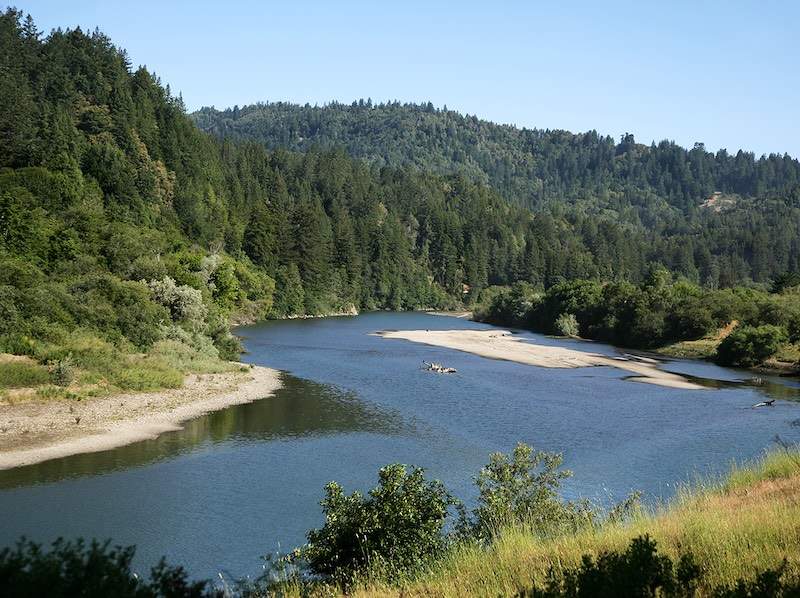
<point>690,321</point>
<point>398,526</point>
<point>117,308</point>
<point>62,371</point>
<point>76,569</point>
<point>567,325</point>
<point>747,346</point>
<point>185,304</point>
<point>522,489</point>
<point>514,306</point>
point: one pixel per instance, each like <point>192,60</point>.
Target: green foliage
<point>716,218</point>
<point>91,570</point>
<point>654,313</point>
<point>117,308</point>
<point>522,489</point>
<point>567,325</point>
<point>291,296</point>
<point>18,374</point>
<point>398,526</point>
<point>185,304</point>
<point>750,345</point>
<point>62,371</point>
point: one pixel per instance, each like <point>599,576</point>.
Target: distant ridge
<point>530,167</point>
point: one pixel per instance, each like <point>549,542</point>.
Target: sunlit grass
<point>703,348</point>
<point>735,527</point>
<point>102,368</point>
<point>19,374</point>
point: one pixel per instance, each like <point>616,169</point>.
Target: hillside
<point>662,189</point>
<point>123,224</point>
<point>130,239</point>
<point>529,166</point>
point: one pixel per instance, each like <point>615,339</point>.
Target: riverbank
<point>501,344</point>
<point>40,430</point>
<point>734,528</point>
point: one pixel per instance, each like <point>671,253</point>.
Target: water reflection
<point>300,408</point>
<point>771,387</point>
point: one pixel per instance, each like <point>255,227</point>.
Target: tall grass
<point>19,374</point>
<point>735,528</point>
<point>103,368</point>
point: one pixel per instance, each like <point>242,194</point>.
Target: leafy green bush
<point>690,320</point>
<point>567,325</point>
<point>512,307</point>
<point>750,345</point>
<point>522,489</point>
<point>94,570</point>
<point>118,308</point>
<point>184,303</point>
<point>397,526</point>
<point>62,371</point>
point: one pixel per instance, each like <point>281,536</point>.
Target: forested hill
<point>119,218</point>
<point>528,166</point>
<point>716,218</point>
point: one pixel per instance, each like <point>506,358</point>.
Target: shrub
<point>522,489</point>
<point>567,325</point>
<point>117,308</point>
<point>748,346</point>
<point>184,303</point>
<point>62,371</point>
<point>690,321</point>
<point>77,569</point>
<point>513,307</point>
<point>399,525</point>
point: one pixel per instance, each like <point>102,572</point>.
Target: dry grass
<point>103,369</point>
<point>735,528</point>
<point>703,348</point>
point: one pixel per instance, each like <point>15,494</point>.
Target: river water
<point>246,481</point>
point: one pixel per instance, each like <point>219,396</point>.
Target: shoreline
<point>38,431</point>
<point>501,344</point>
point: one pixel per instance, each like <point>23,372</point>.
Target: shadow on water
<point>299,409</point>
<point>766,387</point>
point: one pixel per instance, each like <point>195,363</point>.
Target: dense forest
<point>529,166</point>
<point>739,326</point>
<point>717,218</point>
<point>122,222</point>
<point>125,229</point>
<point>120,218</point>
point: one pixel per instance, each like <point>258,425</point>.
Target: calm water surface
<point>245,481</point>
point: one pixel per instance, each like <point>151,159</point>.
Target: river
<point>246,481</point>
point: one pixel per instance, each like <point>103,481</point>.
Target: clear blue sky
<point>725,73</point>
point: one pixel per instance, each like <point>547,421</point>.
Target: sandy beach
<point>37,431</point>
<point>501,344</point>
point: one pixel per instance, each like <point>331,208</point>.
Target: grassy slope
<point>748,523</point>
<point>99,369</point>
<point>787,360</point>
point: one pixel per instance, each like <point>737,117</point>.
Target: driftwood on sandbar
<point>438,368</point>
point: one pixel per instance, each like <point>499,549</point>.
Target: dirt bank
<point>37,431</point>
